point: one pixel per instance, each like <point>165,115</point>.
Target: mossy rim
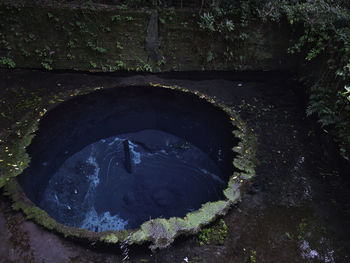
<point>160,232</point>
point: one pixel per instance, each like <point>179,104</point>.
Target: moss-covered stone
<point>162,232</point>
<point>159,232</point>
<point>14,158</point>
<point>115,237</point>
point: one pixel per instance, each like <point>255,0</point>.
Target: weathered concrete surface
<point>109,39</point>
<point>152,41</point>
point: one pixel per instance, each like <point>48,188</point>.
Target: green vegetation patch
<point>14,158</point>
<point>87,38</point>
<point>319,40</point>
<point>214,235</point>
<point>81,38</point>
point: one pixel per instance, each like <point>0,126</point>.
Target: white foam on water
<point>104,222</point>
<point>56,199</point>
<point>136,156</point>
<point>116,139</point>
<point>213,176</point>
<point>94,178</point>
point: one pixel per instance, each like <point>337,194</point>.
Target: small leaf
<point>289,235</point>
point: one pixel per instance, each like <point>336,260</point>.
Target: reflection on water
<point>167,176</point>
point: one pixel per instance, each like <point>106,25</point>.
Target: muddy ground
<point>296,210</point>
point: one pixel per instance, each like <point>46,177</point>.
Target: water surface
<point>100,188</point>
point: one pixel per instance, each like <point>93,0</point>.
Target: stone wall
<point>109,38</point>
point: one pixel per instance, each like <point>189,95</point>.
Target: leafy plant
<point>289,236</point>
<point>210,56</point>
<point>119,46</point>
<point>107,29</point>
<point>71,44</point>
<point>302,228</point>
<point>161,62</point>
<point>162,20</point>
<point>47,64</point>
<point>145,67</point>
<point>120,64</point>
<point>325,35</point>
<point>321,37</point>
<point>116,18</point>
<point>122,6</point>
<point>252,257</point>
<point>7,62</point>
<point>94,47</point>
<point>347,92</point>
<point>93,64</point>
<point>45,55</point>
<point>70,56</point>
<point>51,16</point>
<point>214,235</point>
<point>218,22</point>
<point>24,52</point>
<point>89,5</point>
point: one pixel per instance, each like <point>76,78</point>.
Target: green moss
<point>37,215</point>
<point>66,38</point>
<point>214,235</point>
<point>15,158</point>
<point>162,232</point>
<point>115,237</point>
<point>112,39</point>
<point>159,232</point>
<point>207,213</point>
<point>232,191</point>
<point>30,210</point>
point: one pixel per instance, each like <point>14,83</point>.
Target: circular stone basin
<point>115,158</point>
<point>132,165</point>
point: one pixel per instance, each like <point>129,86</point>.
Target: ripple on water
<point>169,177</point>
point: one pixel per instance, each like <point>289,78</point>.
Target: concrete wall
<point>111,39</point>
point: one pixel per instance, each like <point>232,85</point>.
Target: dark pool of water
<point>99,188</point>
<point>296,211</point>
<point>115,158</point>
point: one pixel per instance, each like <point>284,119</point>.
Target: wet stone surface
<point>296,210</point>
